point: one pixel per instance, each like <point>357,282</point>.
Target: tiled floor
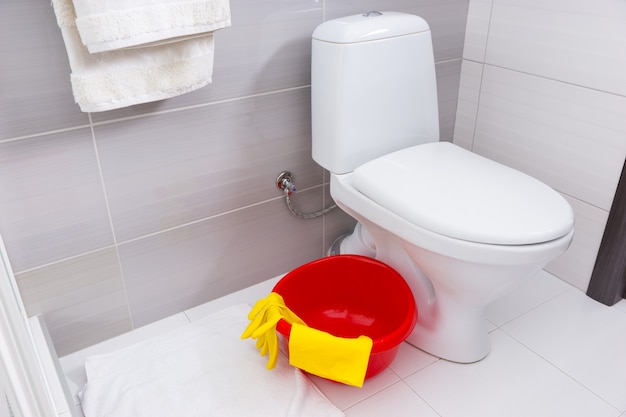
<point>555,352</point>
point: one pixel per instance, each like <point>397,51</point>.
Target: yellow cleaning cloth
<point>337,358</point>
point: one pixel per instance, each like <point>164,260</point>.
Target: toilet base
<point>358,242</point>
<point>451,323</point>
<point>335,248</point>
<point>462,341</point>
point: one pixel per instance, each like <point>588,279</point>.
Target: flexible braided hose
<point>301,215</point>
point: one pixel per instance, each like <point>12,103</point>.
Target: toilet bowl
<point>454,279</point>
<point>462,230</point>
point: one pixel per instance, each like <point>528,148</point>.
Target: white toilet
<point>460,228</point>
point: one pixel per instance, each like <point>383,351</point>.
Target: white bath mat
<point>203,369</point>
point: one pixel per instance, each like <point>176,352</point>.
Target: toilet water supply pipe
<point>285,184</point>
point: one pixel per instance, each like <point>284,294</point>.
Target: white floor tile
<point>512,381</point>
<point>491,327</point>
<point>345,396</point>
<point>529,294</point>
<point>410,360</point>
<point>583,338</point>
<point>397,400</point>
<point>621,305</point>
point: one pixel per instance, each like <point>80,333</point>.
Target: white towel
<point>124,77</point>
<point>115,24</point>
<point>201,370</point>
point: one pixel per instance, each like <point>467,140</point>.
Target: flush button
<point>373,13</point>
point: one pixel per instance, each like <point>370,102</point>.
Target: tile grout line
<point>152,234</point>
<point>111,224</point>
<point>561,371</point>
<point>571,288</point>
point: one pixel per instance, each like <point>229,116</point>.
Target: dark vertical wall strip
<point>608,281</point>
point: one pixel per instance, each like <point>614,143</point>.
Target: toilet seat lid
<point>457,193</point>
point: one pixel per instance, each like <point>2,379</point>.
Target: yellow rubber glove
<point>263,318</point>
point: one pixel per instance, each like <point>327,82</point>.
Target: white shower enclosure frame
<point>22,376</point>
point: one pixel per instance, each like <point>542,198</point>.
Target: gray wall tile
<point>582,43</point>
<point>467,107</point>
<point>82,299</point>
<point>35,94</point>
<point>175,270</point>
<point>477,29</point>
<point>448,77</point>
<point>52,204</point>
<point>169,169</point>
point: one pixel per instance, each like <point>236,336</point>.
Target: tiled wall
<point>113,220</point>
<point>543,89</point>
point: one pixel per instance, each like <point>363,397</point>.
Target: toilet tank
<point>373,88</point>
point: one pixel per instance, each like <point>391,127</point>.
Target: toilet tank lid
<point>457,193</point>
<point>369,26</point>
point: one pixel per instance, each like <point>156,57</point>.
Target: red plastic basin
<point>349,296</point>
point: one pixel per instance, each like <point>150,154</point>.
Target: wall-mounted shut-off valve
<point>284,182</point>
